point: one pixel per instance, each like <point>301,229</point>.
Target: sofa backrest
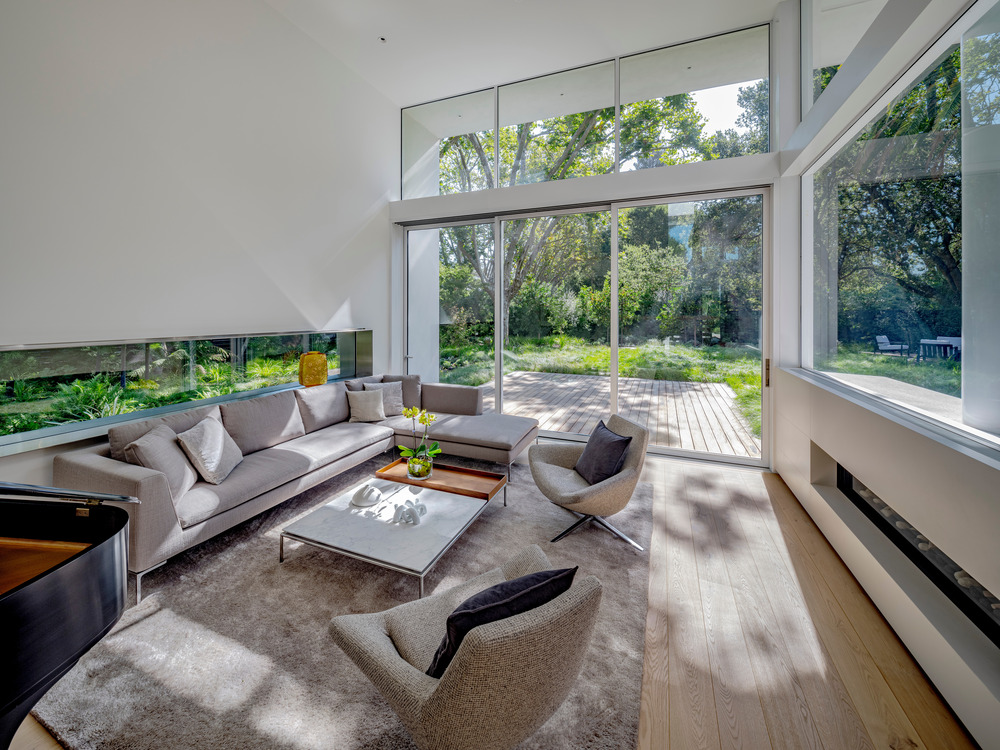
<point>411,386</point>
<point>452,399</point>
<point>121,435</point>
<point>259,423</point>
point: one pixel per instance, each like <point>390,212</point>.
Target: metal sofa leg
<point>138,580</point>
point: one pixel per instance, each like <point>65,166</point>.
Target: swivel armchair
<point>552,467</point>
<point>507,677</point>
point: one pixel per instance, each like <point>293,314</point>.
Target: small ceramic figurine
<point>410,512</point>
<point>366,496</point>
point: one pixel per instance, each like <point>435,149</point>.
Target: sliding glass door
<point>690,315</point>
<point>652,309</point>
<point>556,313</point>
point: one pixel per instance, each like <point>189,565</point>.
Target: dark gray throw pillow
<point>604,454</point>
<point>497,603</point>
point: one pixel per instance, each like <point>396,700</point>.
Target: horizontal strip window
<point>59,393</point>
<point>698,101</point>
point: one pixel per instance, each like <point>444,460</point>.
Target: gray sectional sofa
<point>291,440</point>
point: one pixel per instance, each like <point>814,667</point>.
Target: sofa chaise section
<point>461,428</point>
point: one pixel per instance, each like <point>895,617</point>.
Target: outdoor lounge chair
<point>884,346</point>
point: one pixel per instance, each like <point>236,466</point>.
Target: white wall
<point>186,168</point>
<point>948,494</point>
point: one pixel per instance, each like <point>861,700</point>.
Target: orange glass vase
<point>312,369</point>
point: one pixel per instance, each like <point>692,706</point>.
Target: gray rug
<point>229,648</point>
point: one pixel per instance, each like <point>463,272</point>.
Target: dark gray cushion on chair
<point>497,603</point>
<point>604,455</point>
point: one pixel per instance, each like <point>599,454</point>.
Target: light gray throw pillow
<point>392,397</point>
<point>212,451</point>
<point>366,406</point>
<point>323,405</point>
<point>158,449</point>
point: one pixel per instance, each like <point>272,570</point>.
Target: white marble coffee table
<point>370,534</point>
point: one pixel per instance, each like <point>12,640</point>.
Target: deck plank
<point>688,416</point>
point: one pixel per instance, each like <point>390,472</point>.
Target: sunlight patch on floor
<point>187,658</point>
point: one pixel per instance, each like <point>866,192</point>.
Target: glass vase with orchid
<point>419,458</point>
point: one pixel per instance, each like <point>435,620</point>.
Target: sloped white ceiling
<point>438,48</point>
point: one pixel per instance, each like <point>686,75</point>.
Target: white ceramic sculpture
<point>366,496</point>
<point>409,512</point>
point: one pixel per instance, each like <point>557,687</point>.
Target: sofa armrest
<point>151,521</point>
<point>451,399</point>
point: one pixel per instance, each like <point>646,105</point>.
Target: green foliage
<point>541,309</point>
<point>822,78</point>
<point>890,210</point>
<point>754,133</point>
<point>273,371</point>
<point>93,398</point>
<point>662,131</point>
<point>570,252</point>
<point>11,424</point>
<point>23,391</point>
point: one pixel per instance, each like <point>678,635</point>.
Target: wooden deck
<point>690,416</point>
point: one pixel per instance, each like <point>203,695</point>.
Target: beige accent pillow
<point>158,449</point>
<point>392,397</point>
<point>212,451</point>
<point>366,406</point>
<point>122,434</point>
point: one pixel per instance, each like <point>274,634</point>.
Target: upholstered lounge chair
<point>507,678</point>
<point>552,466</point>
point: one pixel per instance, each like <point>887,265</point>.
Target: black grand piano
<point>63,586</point>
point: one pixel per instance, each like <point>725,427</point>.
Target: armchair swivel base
<point>585,519</point>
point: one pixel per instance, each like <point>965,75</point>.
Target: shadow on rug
<point>230,649</point>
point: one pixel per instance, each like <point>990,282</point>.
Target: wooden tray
<point>469,482</point>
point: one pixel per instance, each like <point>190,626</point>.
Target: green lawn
<point>941,375</point>
<point>739,367</point>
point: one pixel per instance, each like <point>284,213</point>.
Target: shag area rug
<point>230,648</point>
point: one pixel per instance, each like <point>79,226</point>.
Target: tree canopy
<point>890,207</point>
<point>569,254</point>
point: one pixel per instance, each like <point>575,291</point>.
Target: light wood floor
<point>757,636</point>
<point>690,416</point>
